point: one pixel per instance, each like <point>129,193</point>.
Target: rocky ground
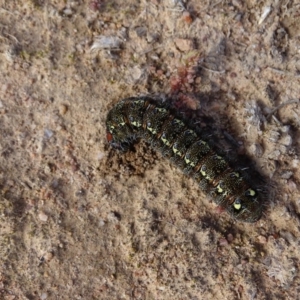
<point>79,220</point>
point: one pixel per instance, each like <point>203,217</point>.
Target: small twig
<point>211,70</point>
<point>12,36</point>
<point>277,71</point>
<point>284,72</point>
<point>280,106</point>
<point>210,7</point>
<point>6,11</point>
<point>265,14</point>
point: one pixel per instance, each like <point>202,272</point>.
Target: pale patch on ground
<point>82,221</point>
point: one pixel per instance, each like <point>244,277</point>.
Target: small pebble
<point>223,242</point>
<point>184,44</point>
<point>286,140</point>
<point>286,174</point>
<point>68,12</point>
<point>48,133</point>
<point>44,296</point>
<point>229,237</point>
<point>285,129</point>
<point>63,109</point>
<point>106,42</point>
<point>262,239</point>
<point>141,31</point>
<point>43,217</point>
<point>48,256</point>
<point>136,73</point>
<point>295,163</point>
<point>237,3</point>
<point>101,223</point>
<point>291,185</point>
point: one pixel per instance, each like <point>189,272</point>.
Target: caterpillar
<point>188,147</point>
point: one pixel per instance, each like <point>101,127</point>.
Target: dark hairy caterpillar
<point>189,148</point>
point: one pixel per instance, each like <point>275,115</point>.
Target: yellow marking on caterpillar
<point>136,124</point>
<point>176,151</point>
<point>237,206</point>
<point>252,192</point>
<point>152,130</point>
<point>161,109</point>
<point>219,189</point>
<point>165,141</point>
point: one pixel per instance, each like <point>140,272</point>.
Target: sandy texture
<point>79,220</point>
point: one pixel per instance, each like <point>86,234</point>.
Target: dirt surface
<point>80,220</point>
